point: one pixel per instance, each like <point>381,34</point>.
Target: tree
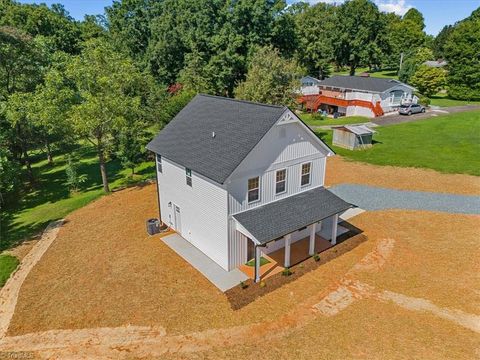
<point>132,141</point>
<point>316,34</point>
<point>109,89</point>
<point>358,30</point>
<point>9,169</point>
<point>415,18</point>
<point>462,49</point>
<point>428,80</point>
<point>270,79</point>
<point>412,62</point>
<point>440,40</point>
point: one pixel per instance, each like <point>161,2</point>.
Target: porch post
<point>313,230</point>
<point>257,263</point>
<point>287,250</point>
<point>334,229</point>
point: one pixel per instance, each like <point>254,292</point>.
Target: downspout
<point>158,193</point>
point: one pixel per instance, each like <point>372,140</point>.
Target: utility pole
<point>401,62</point>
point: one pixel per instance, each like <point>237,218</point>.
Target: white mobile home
<point>237,179</point>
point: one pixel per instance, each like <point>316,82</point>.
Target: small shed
<point>353,137</point>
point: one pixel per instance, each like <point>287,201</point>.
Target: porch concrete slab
<point>326,231</point>
<point>222,279</point>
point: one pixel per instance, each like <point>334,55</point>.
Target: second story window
<point>280,181</point>
<point>306,169</point>
<point>159,163</point>
<point>188,174</point>
<point>253,189</point>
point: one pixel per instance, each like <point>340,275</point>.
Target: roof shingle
<point>212,135</point>
<point>361,83</point>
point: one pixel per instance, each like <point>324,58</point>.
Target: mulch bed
<point>240,297</point>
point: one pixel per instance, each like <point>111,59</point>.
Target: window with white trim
<point>306,169</point>
<point>159,163</point>
<point>253,189</point>
<point>188,174</point>
<point>280,181</point>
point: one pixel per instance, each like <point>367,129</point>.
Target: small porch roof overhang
<point>279,218</point>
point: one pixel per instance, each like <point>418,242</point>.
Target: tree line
<point>108,78</point>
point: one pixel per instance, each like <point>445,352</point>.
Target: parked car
<point>409,109</point>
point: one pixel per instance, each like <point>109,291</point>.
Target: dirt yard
<point>341,170</point>
<point>410,291</point>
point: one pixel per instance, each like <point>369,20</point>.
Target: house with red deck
<point>357,95</point>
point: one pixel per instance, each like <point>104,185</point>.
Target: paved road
<point>376,198</point>
<point>398,119</point>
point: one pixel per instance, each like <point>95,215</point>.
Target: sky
<point>437,13</point>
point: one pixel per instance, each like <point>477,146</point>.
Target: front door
<point>177,221</point>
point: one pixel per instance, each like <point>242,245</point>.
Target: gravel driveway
<point>376,198</point>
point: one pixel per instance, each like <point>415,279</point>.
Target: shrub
<point>262,284</point>
<point>73,179</point>
<point>243,285</point>
<point>423,100</point>
<point>316,257</point>
<point>287,272</point>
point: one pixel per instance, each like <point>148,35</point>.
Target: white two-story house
<point>237,179</point>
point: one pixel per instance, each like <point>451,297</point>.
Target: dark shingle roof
<point>238,127</point>
<point>278,218</point>
<point>360,83</point>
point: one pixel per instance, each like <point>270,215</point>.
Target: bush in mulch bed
<point>242,295</point>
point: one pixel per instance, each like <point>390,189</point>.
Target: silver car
<point>409,109</point>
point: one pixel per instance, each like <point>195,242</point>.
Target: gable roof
<point>211,135</point>
<point>364,83</point>
<point>356,129</point>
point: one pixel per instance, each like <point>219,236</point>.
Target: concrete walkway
<point>376,198</point>
<point>222,279</point>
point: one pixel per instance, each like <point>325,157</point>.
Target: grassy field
<point>8,263</point>
<point>449,144</point>
<point>307,118</point>
<point>51,198</point>
<point>444,101</point>
<point>390,74</point>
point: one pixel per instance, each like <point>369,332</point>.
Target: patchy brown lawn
<point>104,271</point>
<point>341,170</point>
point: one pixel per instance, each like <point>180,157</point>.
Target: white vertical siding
<point>285,146</point>
<point>203,209</point>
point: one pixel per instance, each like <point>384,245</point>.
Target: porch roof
<point>279,218</point>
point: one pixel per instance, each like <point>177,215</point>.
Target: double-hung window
<point>280,181</point>
<point>306,171</point>
<point>188,174</point>
<point>253,189</point>
<point>159,163</point>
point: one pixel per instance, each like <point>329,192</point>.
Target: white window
<point>306,169</point>
<point>188,174</point>
<point>280,181</point>
<point>253,189</point>
<point>159,163</point>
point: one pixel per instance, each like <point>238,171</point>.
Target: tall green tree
<point>109,89</point>
<point>270,79</point>
<point>359,31</point>
<point>462,51</point>
<point>317,37</point>
<point>428,80</point>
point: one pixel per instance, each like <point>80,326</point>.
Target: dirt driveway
<point>104,289</point>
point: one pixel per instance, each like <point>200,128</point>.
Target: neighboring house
<point>435,63</point>
<point>359,95</point>
<point>309,85</point>
<point>237,179</point>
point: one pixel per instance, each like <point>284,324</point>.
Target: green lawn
<point>448,143</point>
<point>444,101</point>
<point>8,264</point>
<point>263,261</point>
<point>390,74</point>
<point>51,198</point>
<point>307,118</point>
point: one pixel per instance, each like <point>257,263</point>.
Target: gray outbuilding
<point>353,137</point>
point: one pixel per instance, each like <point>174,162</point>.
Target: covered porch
<point>290,230</point>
